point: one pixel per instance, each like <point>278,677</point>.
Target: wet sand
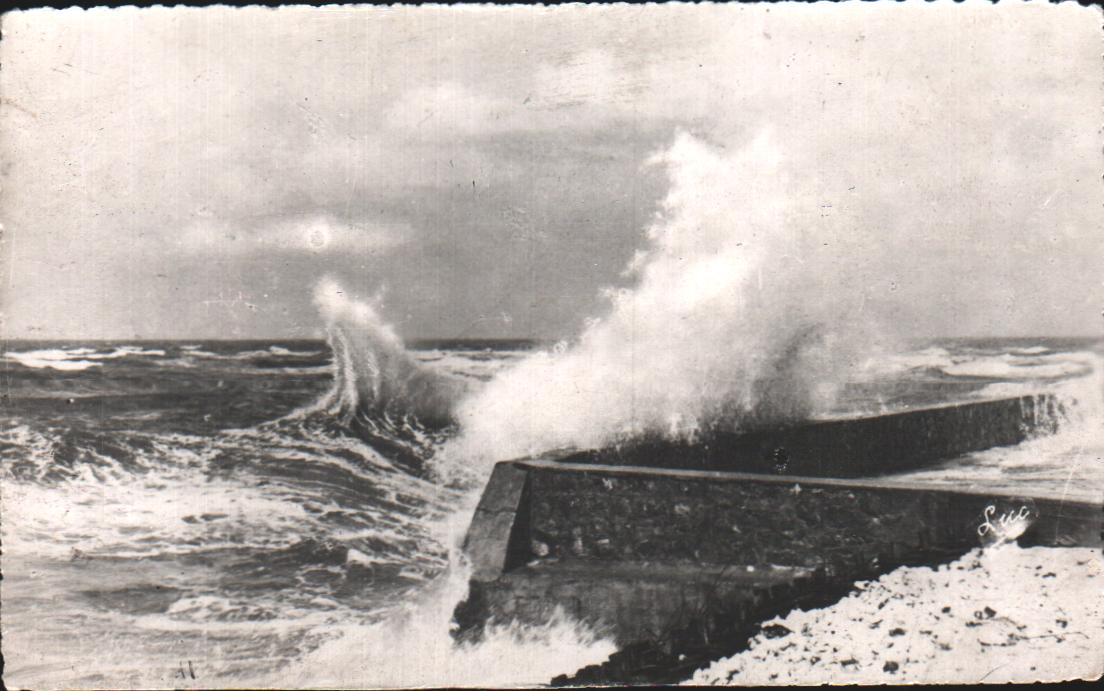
<point>1005,614</point>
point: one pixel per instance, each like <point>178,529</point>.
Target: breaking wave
<point>744,311</point>
<point>374,375</point>
<point>742,315</point>
<point>1010,366</point>
<point>413,648</point>
<point>74,359</point>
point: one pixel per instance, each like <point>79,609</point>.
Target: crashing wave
<point>374,375</point>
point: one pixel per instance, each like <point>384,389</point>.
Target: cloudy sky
<point>187,173</point>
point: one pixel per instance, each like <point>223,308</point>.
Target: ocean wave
<point>74,359</point>
<point>1009,366</point>
<point>260,488</point>
<point>474,365</point>
<point>270,352</point>
<point>277,350</point>
<point>1032,350</point>
<point>126,351</point>
<point>728,325</point>
<point>301,371</point>
<point>64,365</point>
<point>376,380</point>
<point>1013,363</point>
<point>362,654</point>
<point>895,363</point>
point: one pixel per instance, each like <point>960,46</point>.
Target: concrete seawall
<point>550,533</point>
<point>853,447</point>
<point>675,560</point>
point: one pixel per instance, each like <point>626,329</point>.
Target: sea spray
<point>374,375</point>
<point>384,396</point>
<point>746,311</point>
<point>1074,455</point>
<point>413,647</point>
<point>380,392</point>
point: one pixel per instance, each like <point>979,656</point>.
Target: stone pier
<point>679,559</point>
<point>857,447</point>
<point>638,552</point>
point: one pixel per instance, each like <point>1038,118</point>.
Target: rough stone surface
<point>631,602</point>
<point>603,514</point>
<point>487,544</point>
<point>849,448</point>
<point>676,564</point>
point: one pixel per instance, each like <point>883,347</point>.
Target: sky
<point>484,172</point>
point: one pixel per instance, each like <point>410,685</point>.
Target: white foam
<point>1033,350</point>
<point>125,351</point>
<point>42,363</point>
<point>373,372</point>
<point>1009,366</point>
<point>74,359</point>
<point>413,648</point>
<point>278,350</point>
<point>745,310</point>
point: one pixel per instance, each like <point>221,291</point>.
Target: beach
<point>1005,614</point>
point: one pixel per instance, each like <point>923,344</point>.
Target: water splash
<point>380,392</point>
<point>744,313</point>
<point>1069,462</point>
<point>374,375</point>
<point>413,648</point>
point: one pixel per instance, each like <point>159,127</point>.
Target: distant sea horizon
<point>510,342</point>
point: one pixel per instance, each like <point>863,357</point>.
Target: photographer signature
<point>1008,526</point>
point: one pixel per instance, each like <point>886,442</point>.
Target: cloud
<point>307,234</point>
<point>587,76</point>
<point>583,91</point>
<point>503,148</point>
<point>451,109</point>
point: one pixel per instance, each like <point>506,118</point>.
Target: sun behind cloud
<point>307,234</point>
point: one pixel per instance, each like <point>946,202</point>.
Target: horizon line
<point>466,339</point>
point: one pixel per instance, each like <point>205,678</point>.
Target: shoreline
<point>998,615</point>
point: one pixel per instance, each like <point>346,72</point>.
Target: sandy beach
<point>1003,614</point>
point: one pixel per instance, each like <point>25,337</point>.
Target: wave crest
<point>380,392</point>
<point>374,375</point>
<point>746,312</point>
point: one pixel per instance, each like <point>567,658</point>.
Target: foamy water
<point>296,549</point>
<point>727,323</point>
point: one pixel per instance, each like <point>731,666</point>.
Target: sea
<point>219,513</point>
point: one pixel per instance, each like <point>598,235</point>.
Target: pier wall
<point>614,513</point>
<point>857,447</point>
<point>664,545</point>
<point>666,556</point>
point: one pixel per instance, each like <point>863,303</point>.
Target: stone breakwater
<point>997,615</point>
<point>679,567</point>
<point>668,550</point>
<point>857,447</point>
